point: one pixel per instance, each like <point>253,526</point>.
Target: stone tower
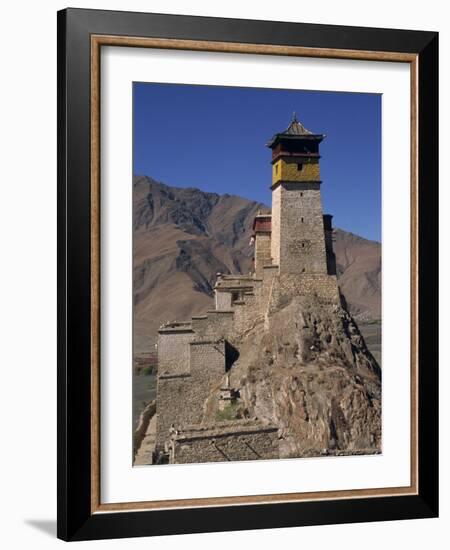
<point>298,239</point>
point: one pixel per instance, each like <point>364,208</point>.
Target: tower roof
<point>295,130</point>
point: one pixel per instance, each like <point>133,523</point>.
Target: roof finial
<point>294,117</point>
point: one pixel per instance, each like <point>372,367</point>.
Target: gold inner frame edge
<point>97,41</point>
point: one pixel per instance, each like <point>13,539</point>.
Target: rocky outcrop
<point>309,372</point>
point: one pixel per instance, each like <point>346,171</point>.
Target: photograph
<point>257,274</point>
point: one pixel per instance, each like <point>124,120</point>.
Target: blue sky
<point>214,138</point>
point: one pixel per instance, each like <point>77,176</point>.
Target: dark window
<point>299,167</point>
<point>302,220</point>
<point>234,297</point>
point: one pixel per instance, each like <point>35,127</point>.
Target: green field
<point>144,391</point>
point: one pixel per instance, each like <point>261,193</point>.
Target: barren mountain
<point>359,274</point>
<point>183,237</point>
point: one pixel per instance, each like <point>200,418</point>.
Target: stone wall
<point>276,228</point>
<point>223,300</point>
<point>263,253</point>
<point>208,365</point>
<point>208,359</point>
<point>173,376</point>
<point>200,324</point>
<point>253,308</point>
<point>241,440</point>
<point>170,392</point>
<point>215,325</point>
<point>180,397</point>
<point>324,287</point>
<point>247,313</point>
<point>302,243</point>
<point>173,349</point>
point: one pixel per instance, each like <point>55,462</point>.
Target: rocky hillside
<point>310,373</point>
<point>184,236</point>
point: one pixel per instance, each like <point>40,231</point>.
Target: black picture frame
<point>76,521</point>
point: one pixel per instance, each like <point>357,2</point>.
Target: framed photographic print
<point>247,274</point>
